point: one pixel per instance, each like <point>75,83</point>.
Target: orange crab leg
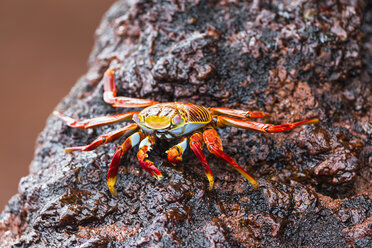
<point>175,152</point>
<point>144,147</point>
<point>237,113</point>
<point>196,145</point>
<point>94,122</point>
<point>214,145</point>
<point>110,92</point>
<point>121,150</point>
<point>223,121</point>
<point>105,138</point>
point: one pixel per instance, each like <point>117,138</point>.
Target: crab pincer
<point>144,147</point>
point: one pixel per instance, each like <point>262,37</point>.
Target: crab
<point>188,124</point>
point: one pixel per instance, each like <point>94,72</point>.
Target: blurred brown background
<point>44,48</point>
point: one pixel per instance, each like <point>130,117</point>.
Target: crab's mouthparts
<point>157,122</point>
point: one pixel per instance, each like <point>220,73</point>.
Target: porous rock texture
<point>293,59</point>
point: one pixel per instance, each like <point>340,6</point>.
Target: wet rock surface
<point>293,59</point>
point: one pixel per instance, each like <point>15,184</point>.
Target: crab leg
<point>214,145</point>
<point>110,92</point>
<point>196,145</point>
<point>175,152</point>
<point>237,113</point>
<point>144,147</point>
<point>105,138</point>
<point>121,150</point>
<point>94,122</point>
<point>223,121</point>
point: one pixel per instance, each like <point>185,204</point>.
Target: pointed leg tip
<point>307,122</point>
<point>71,149</point>
<point>210,186</point>
<point>113,191</point>
<point>211,181</point>
<point>255,185</point>
<point>59,115</point>
<point>111,185</point>
<point>252,181</point>
<point>158,177</point>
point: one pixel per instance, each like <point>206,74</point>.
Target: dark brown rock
<point>293,59</point>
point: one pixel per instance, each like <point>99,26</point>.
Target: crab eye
<point>176,119</point>
<point>136,118</point>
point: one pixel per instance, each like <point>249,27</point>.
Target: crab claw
<point>147,165</point>
<point>175,153</point>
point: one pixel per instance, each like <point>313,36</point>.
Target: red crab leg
<point>110,92</point>
<point>237,113</point>
<point>214,145</point>
<point>175,152</point>
<point>196,145</point>
<point>105,138</point>
<point>223,121</point>
<point>121,150</point>
<point>94,122</point>
<point>144,147</point>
